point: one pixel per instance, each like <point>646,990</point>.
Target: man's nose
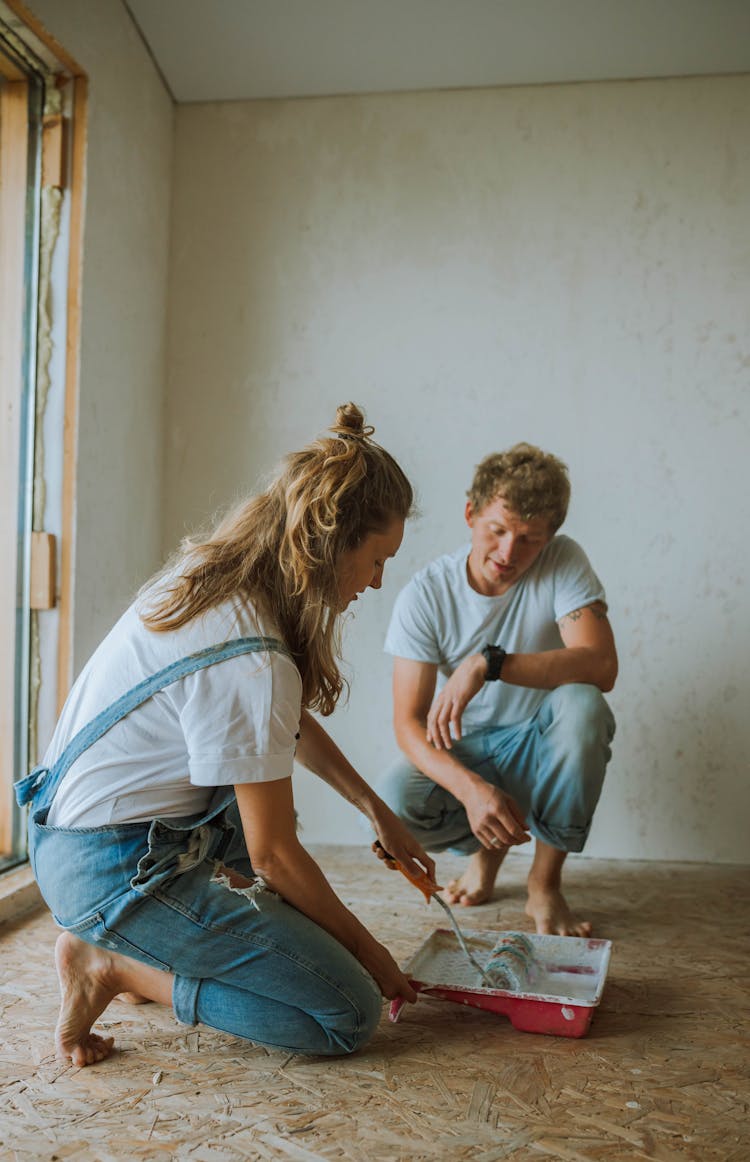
<point>508,549</point>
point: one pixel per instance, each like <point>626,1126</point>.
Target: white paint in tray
<point>567,969</point>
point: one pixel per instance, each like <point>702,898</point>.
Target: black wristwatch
<point>494,656</point>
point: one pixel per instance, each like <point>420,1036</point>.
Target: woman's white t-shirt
<point>236,721</point>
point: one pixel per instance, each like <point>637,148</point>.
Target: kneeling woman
<point>162,827</point>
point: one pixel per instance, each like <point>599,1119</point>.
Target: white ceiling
<point>221,50</point>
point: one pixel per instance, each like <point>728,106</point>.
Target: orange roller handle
<point>422,881</point>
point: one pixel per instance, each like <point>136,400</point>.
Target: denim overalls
<point>244,961</point>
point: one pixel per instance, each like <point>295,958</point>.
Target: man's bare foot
<point>548,909</point>
<point>133,999</point>
<point>476,884</point>
<point>88,982</point>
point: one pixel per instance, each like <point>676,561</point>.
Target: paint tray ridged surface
<point>559,997</point>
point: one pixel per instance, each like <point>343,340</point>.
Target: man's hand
<point>494,817</point>
<point>444,717</point>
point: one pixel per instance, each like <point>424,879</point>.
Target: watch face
<point>494,656</point>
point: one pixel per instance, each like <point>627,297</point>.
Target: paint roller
<point>511,962</point>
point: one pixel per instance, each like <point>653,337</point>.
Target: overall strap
<point>26,789</point>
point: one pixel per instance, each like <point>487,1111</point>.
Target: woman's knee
<point>332,1021</point>
<point>355,1026</point>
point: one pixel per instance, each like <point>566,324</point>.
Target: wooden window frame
<point>14,95</point>
<point>13,186</point>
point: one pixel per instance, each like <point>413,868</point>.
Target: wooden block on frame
<point>42,593</point>
<point>53,151</point>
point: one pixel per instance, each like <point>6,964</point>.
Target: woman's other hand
<point>383,968</point>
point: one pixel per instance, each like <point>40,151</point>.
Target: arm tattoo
<point>598,608</point>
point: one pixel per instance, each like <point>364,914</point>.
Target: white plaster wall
<point>125,261</point>
<point>564,264</point>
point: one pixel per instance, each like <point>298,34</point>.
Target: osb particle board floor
<point>663,1073</point>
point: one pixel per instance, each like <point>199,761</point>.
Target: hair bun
<point>350,423</point>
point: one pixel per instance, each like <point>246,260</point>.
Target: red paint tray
<point>567,986</point>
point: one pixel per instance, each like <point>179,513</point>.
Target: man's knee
<point>434,817</point>
<point>580,712</point>
<point>395,788</point>
<point>577,727</point>
<point>412,796</point>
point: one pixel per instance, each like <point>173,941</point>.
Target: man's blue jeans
<point>552,764</point>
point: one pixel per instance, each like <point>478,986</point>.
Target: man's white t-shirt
<point>439,618</point>
<point>233,722</point>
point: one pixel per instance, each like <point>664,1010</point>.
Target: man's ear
<point>469,514</point>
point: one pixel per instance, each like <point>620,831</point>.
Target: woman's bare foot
<point>90,978</point>
<point>87,985</point>
<point>133,999</point>
<point>548,909</point>
<point>476,884</point>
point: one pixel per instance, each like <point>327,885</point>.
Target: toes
<point>88,1052</point>
<point>466,896</point>
<point>94,1050</point>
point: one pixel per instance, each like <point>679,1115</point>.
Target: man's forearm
<point>493,816</point>
<point>439,765</point>
<point>553,668</point>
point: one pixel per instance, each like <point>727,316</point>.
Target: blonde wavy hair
<point>531,482</point>
<point>280,549</point>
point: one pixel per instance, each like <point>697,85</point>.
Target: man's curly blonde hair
<point>281,549</point>
<point>531,482</point>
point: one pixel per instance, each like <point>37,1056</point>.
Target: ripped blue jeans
<point>244,961</point>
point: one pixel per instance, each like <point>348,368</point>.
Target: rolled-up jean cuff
<point>468,846</point>
<point>185,999</point>
<point>563,838</point>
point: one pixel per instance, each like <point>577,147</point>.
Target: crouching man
<point>512,631</point>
